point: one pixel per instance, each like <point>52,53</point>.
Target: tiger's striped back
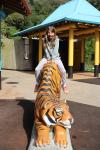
<point>50,84</point>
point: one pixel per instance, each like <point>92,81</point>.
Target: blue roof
<point>74,10</point>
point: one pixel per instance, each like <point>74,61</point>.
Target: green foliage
<point>95,3</point>
<point>89,53</point>
<point>31,2</point>
<point>14,23</point>
<point>16,20</point>
<point>41,9</point>
<point>7,30</point>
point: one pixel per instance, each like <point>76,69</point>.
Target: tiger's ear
<point>65,104</point>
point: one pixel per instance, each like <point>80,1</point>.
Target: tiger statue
<point>50,111</point>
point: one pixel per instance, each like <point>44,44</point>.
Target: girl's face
<point>51,35</point>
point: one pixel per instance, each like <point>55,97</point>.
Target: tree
<point>95,3</point>
<point>41,9</point>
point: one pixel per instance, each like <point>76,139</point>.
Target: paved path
<point>84,88</point>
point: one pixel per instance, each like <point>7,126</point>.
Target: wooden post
<point>96,61</point>
<point>0,55</point>
<point>71,53</point>
<point>99,52</point>
<point>82,54</point>
<point>40,48</point>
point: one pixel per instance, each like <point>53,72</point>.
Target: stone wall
<point>15,55</point>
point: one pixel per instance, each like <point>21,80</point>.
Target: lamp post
<point>2,16</point>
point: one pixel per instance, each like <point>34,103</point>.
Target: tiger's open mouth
<point>66,124</point>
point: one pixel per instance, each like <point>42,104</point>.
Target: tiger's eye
<point>59,111</point>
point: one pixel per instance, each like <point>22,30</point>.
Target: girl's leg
<point>38,69</point>
<point>63,73</point>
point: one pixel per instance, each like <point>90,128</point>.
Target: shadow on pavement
<point>12,82</point>
<point>16,121</point>
<point>28,117</point>
<point>85,132</point>
<point>95,81</point>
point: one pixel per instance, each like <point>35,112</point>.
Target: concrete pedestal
<point>52,146</point>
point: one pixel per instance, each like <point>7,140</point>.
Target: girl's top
<point>51,49</point>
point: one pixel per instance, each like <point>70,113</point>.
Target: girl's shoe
<point>65,89</point>
<point>36,88</point>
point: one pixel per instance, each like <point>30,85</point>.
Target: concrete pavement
<point>84,88</point>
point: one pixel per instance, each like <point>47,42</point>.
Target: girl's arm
<point>56,48</point>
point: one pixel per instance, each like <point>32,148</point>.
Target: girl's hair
<point>46,38</point>
<point>51,29</point>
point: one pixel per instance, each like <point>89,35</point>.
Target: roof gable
<point>75,10</point>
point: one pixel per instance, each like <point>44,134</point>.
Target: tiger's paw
<point>61,138</point>
<point>61,141</point>
<point>42,140</point>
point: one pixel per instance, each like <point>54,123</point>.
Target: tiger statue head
<point>56,114</point>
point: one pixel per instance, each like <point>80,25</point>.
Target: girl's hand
<point>48,61</point>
